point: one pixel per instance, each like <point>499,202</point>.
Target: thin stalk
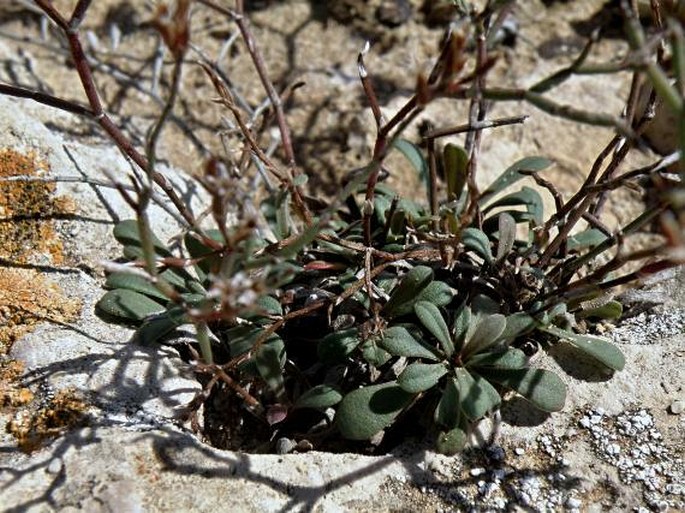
<point>84,71</point>
<point>637,223</point>
<point>480,125</point>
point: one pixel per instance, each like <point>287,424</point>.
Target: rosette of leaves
<point>450,345</point>
<point>520,284</point>
<point>461,367</point>
<point>464,366</point>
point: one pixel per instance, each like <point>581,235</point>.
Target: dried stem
<point>480,125</point>
<point>96,111</point>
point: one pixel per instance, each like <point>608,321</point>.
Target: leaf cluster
<point>366,335</point>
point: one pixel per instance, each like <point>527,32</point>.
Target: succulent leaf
<point>334,347</point>
<point>399,342</point>
<point>610,310</point>
<point>197,249</point>
<point>157,326</point>
<point>451,442</point>
<point>518,324</point>
<point>476,240</point>
<point>404,296</point>
<point>542,388</point>
<point>127,234</point>
<point>512,175</point>
<point>438,293</point>
<point>319,397</point>
<point>598,348</point>
<point>586,239</point>
<point>447,412</point>
<point>128,305</point>
<point>124,280</point>
<point>455,160</point>
<point>415,157</point>
<point>507,235</point>
<point>270,359</point>
<point>512,358</point>
<point>366,411</point>
<point>460,326</point>
<point>477,397</point>
<point>530,198</point>
<point>374,354</point>
<point>432,320</point>
<point>419,377</point>
<point>486,334</point>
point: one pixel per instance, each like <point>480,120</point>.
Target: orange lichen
<point>32,429</point>
<point>27,298</point>
<point>27,209</point>
<point>26,231</point>
<point>12,394</point>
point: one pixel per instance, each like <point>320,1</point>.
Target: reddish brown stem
<point>85,74</point>
<point>45,99</point>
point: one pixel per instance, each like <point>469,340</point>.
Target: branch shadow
<point>123,377</point>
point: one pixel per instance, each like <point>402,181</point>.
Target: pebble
<point>613,449</point>
<point>477,471</point>
<point>677,407</point>
<point>55,466</point>
<point>304,446</point>
<point>393,13</point>
<point>573,503</point>
<point>285,445</point>
<point>519,451</point>
<point>674,489</point>
<point>496,453</point>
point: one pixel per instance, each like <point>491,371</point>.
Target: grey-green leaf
<point>128,304</point>
<point>512,358</point>
<point>124,280</point>
<point>374,354</point>
<point>156,326</point>
<point>197,249</point>
<point>366,411</point>
<point>542,388</point>
<point>438,293</point>
<point>518,324</point>
<point>399,342</point>
<point>507,235</point>
<point>528,197</point>
<point>270,359</point>
<point>413,154</point>
<point>512,175</point>
<point>476,240</point>
<point>304,238</point>
<point>447,411</point>
<point>404,296</point>
<point>486,334</point>
<point>451,442</point>
<point>319,397</point>
<point>127,234</point>
<point>336,346</point>
<point>419,377</point>
<point>610,310</point>
<point>598,348</point>
<point>432,320</point>
<point>477,397</point>
<point>586,239</point>
<point>455,160</point>
<point>460,326</point>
